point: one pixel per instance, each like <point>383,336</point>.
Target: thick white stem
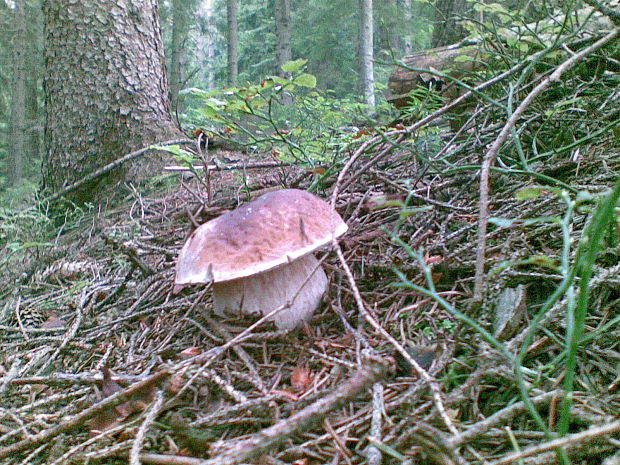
<point>264,292</point>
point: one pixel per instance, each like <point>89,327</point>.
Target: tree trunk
<point>181,12</point>
<point>205,42</point>
<point>389,31</point>
<point>447,29</point>
<point>106,92</point>
<point>367,79</point>
<point>283,33</point>
<point>407,39</point>
<point>233,41</point>
<point>17,132</point>
<point>34,120</point>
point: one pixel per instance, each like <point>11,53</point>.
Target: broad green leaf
<point>295,65</point>
<point>305,80</point>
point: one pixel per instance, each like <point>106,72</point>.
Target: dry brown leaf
<point>301,378</point>
<point>190,352</point>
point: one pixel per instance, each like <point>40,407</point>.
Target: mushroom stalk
<point>298,286</point>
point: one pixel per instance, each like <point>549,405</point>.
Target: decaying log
<point>454,60</point>
<point>458,60</point>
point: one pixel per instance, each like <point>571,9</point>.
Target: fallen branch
<point>66,426</point>
<point>110,166</point>
<point>572,439</point>
<point>257,444</point>
<point>232,166</point>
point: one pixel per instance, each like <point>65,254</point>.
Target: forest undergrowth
<point>404,362</point>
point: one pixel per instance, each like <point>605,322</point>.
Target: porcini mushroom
<point>259,256</point>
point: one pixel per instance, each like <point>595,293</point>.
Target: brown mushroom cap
<point>273,230</point>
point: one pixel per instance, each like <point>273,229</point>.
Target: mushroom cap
<point>268,232</point>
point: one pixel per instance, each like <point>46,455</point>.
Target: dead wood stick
<point>572,439</point>
<point>149,418</point>
<point>491,154</point>
<point>503,416</point>
<point>422,373</point>
<point>165,459</point>
<point>80,418</point>
<point>230,167</point>
<point>242,451</point>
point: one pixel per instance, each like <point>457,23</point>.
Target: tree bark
<point>407,39</point>
<point>106,92</point>
<point>205,42</point>
<point>17,132</point>
<point>367,79</point>
<point>284,52</point>
<point>232,9</point>
<point>447,29</point>
<point>389,30</point>
<point>181,13</point>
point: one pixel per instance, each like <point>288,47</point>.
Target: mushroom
<point>259,256</point>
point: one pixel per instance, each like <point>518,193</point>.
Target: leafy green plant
<point>21,231</point>
<point>287,117</point>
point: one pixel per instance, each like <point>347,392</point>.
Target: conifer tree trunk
<point>17,131</point>
<point>367,79</point>
<point>407,39</point>
<point>283,33</point>
<point>106,92</point>
<point>232,9</point>
<point>181,13</point>
<point>205,42</point>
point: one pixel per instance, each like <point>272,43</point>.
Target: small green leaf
<point>528,193</point>
<point>295,65</point>
<point>501,222</point>
<point>305,80</point>
<point>407,212</point>
<point>463,59</point>
<point>174,149</point>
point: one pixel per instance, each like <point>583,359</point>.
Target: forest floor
<point>93,318</point>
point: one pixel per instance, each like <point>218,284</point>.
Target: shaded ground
<point>107,285</point>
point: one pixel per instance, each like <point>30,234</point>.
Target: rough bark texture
<point>448,14</point>
<point>367,79</point>
<point>106,91</point>
<point>232,9</point>
<point>17,132</point>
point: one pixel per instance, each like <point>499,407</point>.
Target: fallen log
<point>424,68</point>
<point>436,68</point>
